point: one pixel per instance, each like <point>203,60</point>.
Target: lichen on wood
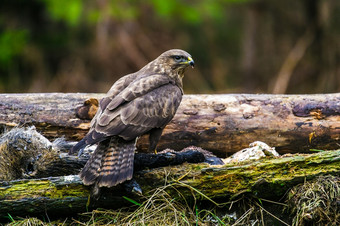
<point>266,178</point>
<point>62,194</point>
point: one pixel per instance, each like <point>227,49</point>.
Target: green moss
<point>41,188</point>
<point>267,177</point>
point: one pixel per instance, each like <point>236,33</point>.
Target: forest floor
<point>315,202</point>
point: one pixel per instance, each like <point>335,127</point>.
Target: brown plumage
<point>138,103</point>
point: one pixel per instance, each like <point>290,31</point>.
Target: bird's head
<point>177,58</point>
<point>173,62</point>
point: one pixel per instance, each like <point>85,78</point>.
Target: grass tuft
<point>316,202</point>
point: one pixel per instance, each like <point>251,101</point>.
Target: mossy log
<point>222,124</point>
<point>266,178</point>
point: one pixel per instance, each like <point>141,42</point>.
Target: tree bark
<point>222,124</point>
<point>266,178</point>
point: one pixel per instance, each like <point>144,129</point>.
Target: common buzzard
<point>140,103</point>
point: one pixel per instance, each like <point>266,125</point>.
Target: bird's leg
<point>95,192</point>
<point>154,136</point>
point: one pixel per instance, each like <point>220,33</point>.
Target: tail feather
<point>110,164</point>
<point>126,169</point>
<point>90,172</point>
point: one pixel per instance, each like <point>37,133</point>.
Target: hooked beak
<point>191,62</point>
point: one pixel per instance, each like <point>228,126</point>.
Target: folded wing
<point>146,103</point>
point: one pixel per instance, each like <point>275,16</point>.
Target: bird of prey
<point>140,103</point>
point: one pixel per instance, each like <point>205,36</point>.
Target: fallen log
<point>266,178</point>
<point>26,154</point>
<point>222,124</point>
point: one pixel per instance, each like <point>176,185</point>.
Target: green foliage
<point>124,10</point>
<point>239,45</point>
<point>68,11</point>
<point>12,43</point>
<point>191,13</point>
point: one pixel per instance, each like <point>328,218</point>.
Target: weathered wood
<point>223,124</point>
<point>266,178</point>
<point>64,164</point>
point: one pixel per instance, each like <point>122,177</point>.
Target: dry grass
<point>27,222</point>
<point>158,209</point>
<point>313,202</point>
<point>316,202</point>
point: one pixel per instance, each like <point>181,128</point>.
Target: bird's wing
<point>153,110</point>
<point>146,103</point>
<point>115,89</point>
<point>135,89</point>
<point>121,84</point>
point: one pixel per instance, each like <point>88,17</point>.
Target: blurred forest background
<point>251,46</point>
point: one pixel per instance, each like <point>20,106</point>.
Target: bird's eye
<point>177,58</point>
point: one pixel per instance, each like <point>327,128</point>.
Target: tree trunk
<point>222,124</point>
<point>266,178</point>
